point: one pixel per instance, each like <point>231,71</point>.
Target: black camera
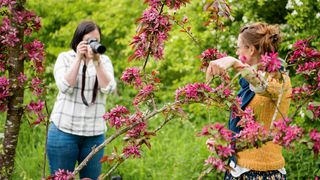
<point>96,46</point>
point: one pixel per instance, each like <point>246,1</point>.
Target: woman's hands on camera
<point>85,52</point>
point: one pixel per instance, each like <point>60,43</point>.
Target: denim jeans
<point>65,149</point>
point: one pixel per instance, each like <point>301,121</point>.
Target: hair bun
<point>275,38</point>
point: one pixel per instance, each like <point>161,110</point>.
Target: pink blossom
<point>152,33</point>
<point>2,66</point>
<point>193,92</point>
<point>131,76</point>
<point>216,163</point>
<point>307,67</point>
<point>36,106</point>
<point>8,34</point>
<point>252,131</point>
<point>285,134</point>
<point>36,54</point>
<point>63,175</point>
<point>132,150</point>
<point>117,116</point>
<point>225,151</point>
<point>22,78</point>
<point>315,138</point>
<point>270,62</point>
<point>36,86</point>
<point>209,55</point>
<point>144,94</point>
<point>4,88</point>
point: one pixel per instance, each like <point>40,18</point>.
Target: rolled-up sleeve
<point>107,65</point>
<point>60,68</point>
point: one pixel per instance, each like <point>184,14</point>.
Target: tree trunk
<point>15,110</point>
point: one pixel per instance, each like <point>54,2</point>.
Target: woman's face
<point>246,53</point>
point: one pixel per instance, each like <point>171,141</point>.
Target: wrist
<point>238,65</point>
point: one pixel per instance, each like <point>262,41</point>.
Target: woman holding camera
<point>84,78</point>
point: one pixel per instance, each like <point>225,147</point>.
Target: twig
<point>114,136</point>
<point>45,145</point>
<point>188,33</point>
<point>277,105</point>
<point>163,123</point>
<point>300,106</point>
<point>112,169</point>
<point>205,172</point>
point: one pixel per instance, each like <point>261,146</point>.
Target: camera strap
<point>95,87</point>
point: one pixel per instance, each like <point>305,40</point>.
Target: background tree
<point>17,49</point>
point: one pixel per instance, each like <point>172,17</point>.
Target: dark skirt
<point>257,175</point>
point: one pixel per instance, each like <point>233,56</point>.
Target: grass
<point>176,153</point>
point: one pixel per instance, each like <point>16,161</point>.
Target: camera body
<point>96,46</point>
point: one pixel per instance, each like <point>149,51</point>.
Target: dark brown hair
<point>83,28</point>
<point>264,37</point>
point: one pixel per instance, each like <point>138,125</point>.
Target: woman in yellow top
<point>259,91</point>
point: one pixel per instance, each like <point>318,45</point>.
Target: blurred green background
<point>176,153</point>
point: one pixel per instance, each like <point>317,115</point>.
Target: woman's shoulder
<point>69,53</point>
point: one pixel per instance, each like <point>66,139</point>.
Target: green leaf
<point>309,114</point>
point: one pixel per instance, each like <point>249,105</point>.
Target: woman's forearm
<point>103,77</point>
<point>71,75</point>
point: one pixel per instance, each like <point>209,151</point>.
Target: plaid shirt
<point>69,113</point>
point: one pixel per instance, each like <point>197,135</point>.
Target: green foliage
<point>176,151</point>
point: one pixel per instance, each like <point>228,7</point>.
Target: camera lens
<point>96,46</point>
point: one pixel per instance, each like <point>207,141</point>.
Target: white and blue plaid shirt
<point>69,113</point>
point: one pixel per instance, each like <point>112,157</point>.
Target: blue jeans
<point>65,149</point>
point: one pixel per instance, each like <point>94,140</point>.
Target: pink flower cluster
<point>8,34</point>
<point>171,4</point>
<point>270,62</point>
<point>131,76</point>
<point>62,175</point>
<point>252,133</point>
<point>4,92</point>
<point>132,150</point>
<point>140,128</point>
<point>216,163</point>
<point>37,108</point>
<point>305,60</point>
<point>284,134</point>
<point>315,138</point>
<point>210,55</point>
<point>303,51</point>
<point>21,79</point>
<point>223,91</point>
<point>36,54</point>
<point>217,131</point>
<point>218,135</point>
<point>117,116</point>
<point>196,92</point>
<point>144,94</point>
<point>299,93</point>
<point>152,33</point>
<point>36,86</point>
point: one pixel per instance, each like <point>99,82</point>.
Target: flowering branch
<point>122,131</point>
